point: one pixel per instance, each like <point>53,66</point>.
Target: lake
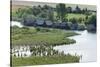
<point>85,46</point>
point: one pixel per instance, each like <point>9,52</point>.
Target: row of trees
<point>47,12</point>
<point>77,9</point>
<point>35,12</point>
<point>53,14</point>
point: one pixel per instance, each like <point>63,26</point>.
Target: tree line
<point>54,14</point>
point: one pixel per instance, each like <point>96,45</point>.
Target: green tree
<point>77,9</point>
<point>36,10</point>
<point>92,20</point>
<point>69,9</point>
<point>51,14</point>
<point>80,20</point>
<point>61,11</point>
<point>73,20</point>
<point>46,7</point>
<point>86,18</point>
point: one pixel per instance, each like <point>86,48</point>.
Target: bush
<point>91,23</point>
<point>81,27</point>
<point>73,20</point>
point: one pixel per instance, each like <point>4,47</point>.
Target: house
<point>56,25</point>
<point>49,23</point>
<point>39,22</point>
<point>63,25</point>
<point>28,21</point>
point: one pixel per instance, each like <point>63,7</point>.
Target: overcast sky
<point>31,3</point>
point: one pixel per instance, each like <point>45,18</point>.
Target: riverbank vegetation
<point>41,42</point>
<point>43,55</point>
<point>40,36</point>
<point>27,61</point>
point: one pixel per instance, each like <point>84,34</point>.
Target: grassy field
<point>44,60</point>
<point>77,16</point>
<point>31,36</point>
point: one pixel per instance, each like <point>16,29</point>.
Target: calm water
<point>16,23</point>
<point>85,46</point>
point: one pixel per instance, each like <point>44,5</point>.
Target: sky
<point>35,3</point>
